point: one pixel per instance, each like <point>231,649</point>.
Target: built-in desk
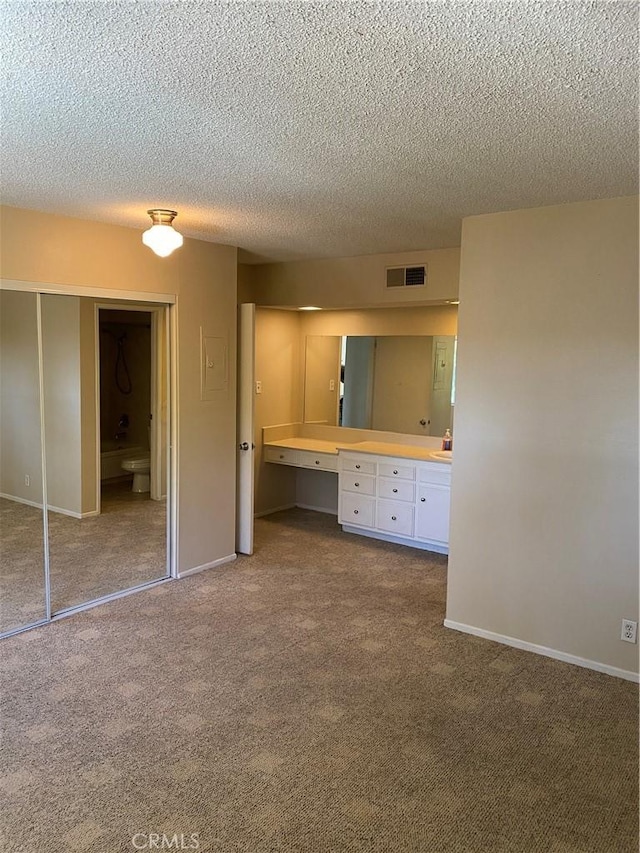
<point>386,490</point>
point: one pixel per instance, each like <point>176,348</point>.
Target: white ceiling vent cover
<point>407,276</point>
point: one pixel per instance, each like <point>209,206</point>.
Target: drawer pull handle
<point>317,461</point>
<point>395,491</point>
<point>422,500</point>
<point>356,485</point>
<point>393,518</point>
<point>282,456</point>
<point>355,512</point>
<point>358,467</point>
<point>395,472</point>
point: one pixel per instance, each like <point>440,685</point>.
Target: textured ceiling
<point>304,129</point>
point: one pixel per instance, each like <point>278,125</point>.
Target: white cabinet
<point>397,499</point>
<point>432,513</point>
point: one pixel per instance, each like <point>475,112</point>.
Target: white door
<point>244,512</point>
<point>402,384</point>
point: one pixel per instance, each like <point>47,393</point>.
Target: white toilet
<point>139,466</point>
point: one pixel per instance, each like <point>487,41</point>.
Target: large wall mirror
<point>84,426</point>
<point>395,383</point>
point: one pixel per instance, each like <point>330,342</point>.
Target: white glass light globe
<point>162,239</point>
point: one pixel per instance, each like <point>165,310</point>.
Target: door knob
<point>423,422</point>
<point>244,445</point>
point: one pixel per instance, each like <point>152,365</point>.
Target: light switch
<point>258,386</point>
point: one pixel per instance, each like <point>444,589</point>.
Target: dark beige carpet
<point>123,547</point>
<point>307,699</point>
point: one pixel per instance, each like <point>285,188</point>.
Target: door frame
<point>245,428</point>
<point>155,446</point>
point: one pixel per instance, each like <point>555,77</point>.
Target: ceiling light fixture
<point>309,308</point>
<point>162,238</point>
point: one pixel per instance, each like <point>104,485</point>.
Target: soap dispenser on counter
<point>447,440</point>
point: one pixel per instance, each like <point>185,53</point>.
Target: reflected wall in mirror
<point>395,383</point>
<point>22,566</point>
<point>105,417</point>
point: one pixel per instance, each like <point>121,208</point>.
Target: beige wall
<point>20,448</point>
<point>358,281</point>
<point>322,379</point>
<point>278,368</point>
<point>412,320</point>
<point>88,390</point>
<point>62,413</point>
<point>544,517</point>
<point>45,248</point>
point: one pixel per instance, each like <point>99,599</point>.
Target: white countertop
<point>316,445</point>
<point>377,448</point>
<point>406,451</point>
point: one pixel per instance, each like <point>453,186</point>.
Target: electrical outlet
<point>258,386</point>
<point>629,631</point>
<point>27,480</point>
<point>332,385</point>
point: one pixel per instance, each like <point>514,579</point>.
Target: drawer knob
<point>317,461</point>
<point>282,456</point>
<point>395,491</point>
<point>358,467</point>
<point>393,518</point>
<point>355,512</point>
<point>422,500</point>
<point>395,472</point>
<point>356,485</point>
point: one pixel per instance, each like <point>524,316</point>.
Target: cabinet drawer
<point>319,461</point>
<point>361,466</point>
<point>283,455</point>
<point>394,518</point>
<point>397,490</point>
<point>355,509</point>
<point>436,473</point>
<point>402,472</point>
<point>364,485</point>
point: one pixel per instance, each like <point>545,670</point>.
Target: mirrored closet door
<point>95,374</point>
<point>23,597</point>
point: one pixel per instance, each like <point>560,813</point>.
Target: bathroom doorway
<point>132,399</point>
<point>124,358</point>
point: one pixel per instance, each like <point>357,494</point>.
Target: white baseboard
<point>275,509</point>
<point>318,509</point>
<point>396,540</point>
<point>220,562</point>
<point>18,500</point>
<point>61,511</point>
<point>50,508</point>
<point>628,675</point>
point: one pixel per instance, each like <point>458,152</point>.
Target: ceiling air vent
<point>407,276</point>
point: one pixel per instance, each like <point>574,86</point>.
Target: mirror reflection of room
<point>106,523</point>
<point>22,567</point>
<point>394,383</point>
